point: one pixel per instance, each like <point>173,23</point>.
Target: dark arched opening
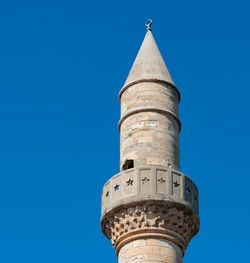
<point>128,164</point>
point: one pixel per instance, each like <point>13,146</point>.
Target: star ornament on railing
<point>129,182</point>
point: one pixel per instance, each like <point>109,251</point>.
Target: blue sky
<point>62,64</point>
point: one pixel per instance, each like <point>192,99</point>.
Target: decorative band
<point>146,109</point>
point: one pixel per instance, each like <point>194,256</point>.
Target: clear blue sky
<point>62,64</point>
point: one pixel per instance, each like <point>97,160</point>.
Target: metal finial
<point>148,24</point>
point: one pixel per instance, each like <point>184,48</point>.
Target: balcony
<point>147,183</point>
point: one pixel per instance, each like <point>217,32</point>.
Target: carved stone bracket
<point>155,219</point>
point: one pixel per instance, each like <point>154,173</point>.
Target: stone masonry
<point>150,208</point>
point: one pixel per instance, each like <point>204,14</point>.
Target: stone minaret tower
<point>150,208</point>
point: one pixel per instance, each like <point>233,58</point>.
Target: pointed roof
<point>148,65</point>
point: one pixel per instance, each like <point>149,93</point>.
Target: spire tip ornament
<point>148,24</point>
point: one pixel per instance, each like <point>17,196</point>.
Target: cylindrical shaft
<point>149,125</point>
<point>150,250</point>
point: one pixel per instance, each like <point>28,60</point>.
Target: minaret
<point>150,208</point>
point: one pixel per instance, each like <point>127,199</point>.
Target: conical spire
<point>148,65</point>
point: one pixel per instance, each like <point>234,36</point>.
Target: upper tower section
<point>149,123</point>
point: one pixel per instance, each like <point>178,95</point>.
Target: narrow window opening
<point>128,164</point>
